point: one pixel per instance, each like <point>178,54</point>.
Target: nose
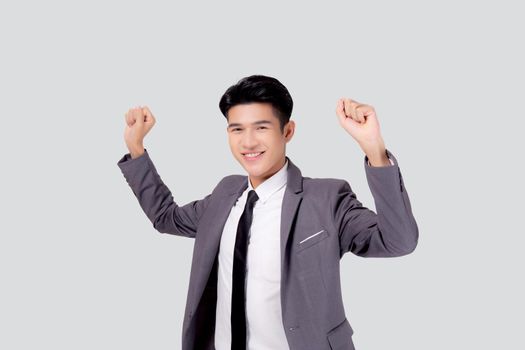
<point>249,140</point>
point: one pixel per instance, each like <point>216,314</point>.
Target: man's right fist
<point>139,121</point>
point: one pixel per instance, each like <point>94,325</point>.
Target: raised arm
<point>153,195</point>
<point>393,230</point>
<point>156,199</point>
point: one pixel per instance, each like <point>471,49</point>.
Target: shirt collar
<point>270,185</point>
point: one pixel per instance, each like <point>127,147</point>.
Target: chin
<point>255,170</point>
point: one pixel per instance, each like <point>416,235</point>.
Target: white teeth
<point>252,154</point>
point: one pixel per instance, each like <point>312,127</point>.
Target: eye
<point>262,127</point>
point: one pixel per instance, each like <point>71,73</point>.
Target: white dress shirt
<point>264,326</point>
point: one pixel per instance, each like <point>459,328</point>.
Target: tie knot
<point>252,197</point>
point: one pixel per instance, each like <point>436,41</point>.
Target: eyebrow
<point>259,122</point>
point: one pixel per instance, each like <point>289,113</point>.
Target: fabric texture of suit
<point>321,220</point>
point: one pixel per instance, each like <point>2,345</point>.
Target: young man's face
<point>253,128</point>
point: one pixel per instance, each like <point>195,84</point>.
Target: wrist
<point>378,156</point>
<point>136,151</point>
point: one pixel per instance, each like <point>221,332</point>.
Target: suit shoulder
<point>228,182</point>
<point>322,185</point>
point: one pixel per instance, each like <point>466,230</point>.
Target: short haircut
<point>259,88</point>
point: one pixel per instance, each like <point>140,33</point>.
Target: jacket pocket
<point>311,240</point>
<point>340,338</point>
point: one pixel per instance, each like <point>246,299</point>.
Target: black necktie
<point>238,313</point>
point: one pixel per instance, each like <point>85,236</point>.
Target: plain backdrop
<point>81,266</point>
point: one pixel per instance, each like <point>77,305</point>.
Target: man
<point>265,269</point>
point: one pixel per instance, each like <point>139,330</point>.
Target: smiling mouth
<point>253,156</point>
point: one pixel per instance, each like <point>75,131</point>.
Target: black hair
<point>259,88</point>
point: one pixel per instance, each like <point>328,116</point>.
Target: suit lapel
<point>291,201</point>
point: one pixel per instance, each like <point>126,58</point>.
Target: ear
<point>289,130</point>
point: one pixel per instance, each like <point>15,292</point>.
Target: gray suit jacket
<point>321,220</point>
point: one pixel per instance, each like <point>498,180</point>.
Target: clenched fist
<point>360,121</point>
<point>139,121</point>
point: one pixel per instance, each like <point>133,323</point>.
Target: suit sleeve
<point>391,232</point>
<point>156,199</point>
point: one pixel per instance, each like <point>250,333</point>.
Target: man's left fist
<point>360,121</point>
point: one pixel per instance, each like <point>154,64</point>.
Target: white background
<point>81,267</point>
